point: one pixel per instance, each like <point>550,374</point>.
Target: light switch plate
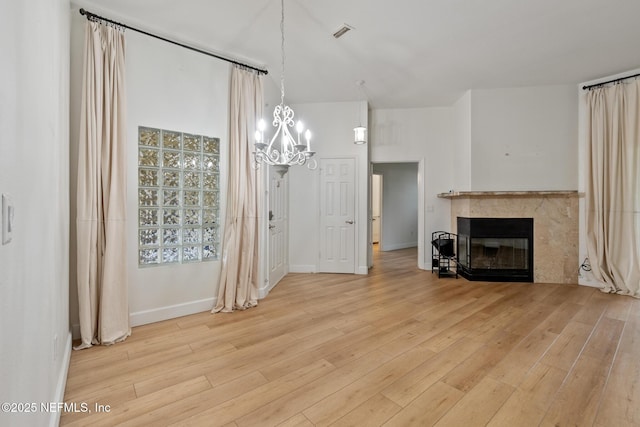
<point>7,218</point>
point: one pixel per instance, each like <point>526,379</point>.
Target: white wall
<point>168,87</point>
<point>419,135</point>
<point>524,139</point>
<point>35,341</point>
<point>399,205</point>
<point>332,126</point>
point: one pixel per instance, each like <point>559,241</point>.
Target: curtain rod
<point>93,17</point>
<point>610,81</point>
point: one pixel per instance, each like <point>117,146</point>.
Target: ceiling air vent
<point>342,30</point>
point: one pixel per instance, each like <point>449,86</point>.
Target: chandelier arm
<point>274,157</point>
<point>313,164</point>
<point>274,138</point>
<point>289,145</point>
<point>255,165</point>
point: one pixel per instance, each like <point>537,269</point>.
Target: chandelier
<point>283,150</point>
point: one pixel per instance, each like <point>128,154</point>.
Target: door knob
<point>349,221</point>
<point>271,227</point>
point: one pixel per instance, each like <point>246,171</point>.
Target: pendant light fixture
<point>360,132</point>
<point>359,135</point>
<point>283,150</point>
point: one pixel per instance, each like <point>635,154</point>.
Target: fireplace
<point>495,249</point>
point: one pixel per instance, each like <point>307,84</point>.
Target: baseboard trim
<point>264,291</point>
<point>170,312</point>
<point>396,246</point>
<point>61,383</point>
<point>362,269</point>
<point>145,317</point>
<point>303,269</point>
<point>589,283</point>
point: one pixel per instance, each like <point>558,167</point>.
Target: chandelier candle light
<point>283,150</point>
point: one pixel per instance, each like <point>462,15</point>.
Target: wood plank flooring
<point>398,347</point>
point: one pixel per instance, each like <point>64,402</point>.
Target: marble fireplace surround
<point>555,225</point>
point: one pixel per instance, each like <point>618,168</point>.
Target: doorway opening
<point>376,208</point>
<point>396,198</point>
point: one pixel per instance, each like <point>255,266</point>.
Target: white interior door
<point>337,216</point>
<point>278,226</point>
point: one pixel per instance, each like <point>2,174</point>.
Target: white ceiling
<point>410,53</point>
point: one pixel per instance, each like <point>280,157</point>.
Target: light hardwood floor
<point>398,347</point>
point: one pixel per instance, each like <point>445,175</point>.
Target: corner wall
<point>423,135</point>
<point>520,139</point>
<point>35,341</point>
<point>462,144</point>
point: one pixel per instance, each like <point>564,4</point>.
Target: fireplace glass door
<point>500,253</point>
<point>496,249</point>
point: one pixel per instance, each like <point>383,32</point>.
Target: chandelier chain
<point>282,52</point>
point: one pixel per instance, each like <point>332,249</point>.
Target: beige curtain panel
<point>101,197</point>
<point>240,269</point>
<point>613,183</point>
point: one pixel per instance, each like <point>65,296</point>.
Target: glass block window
<point>178,197</point>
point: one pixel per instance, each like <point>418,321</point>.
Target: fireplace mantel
<point>478,194</point>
